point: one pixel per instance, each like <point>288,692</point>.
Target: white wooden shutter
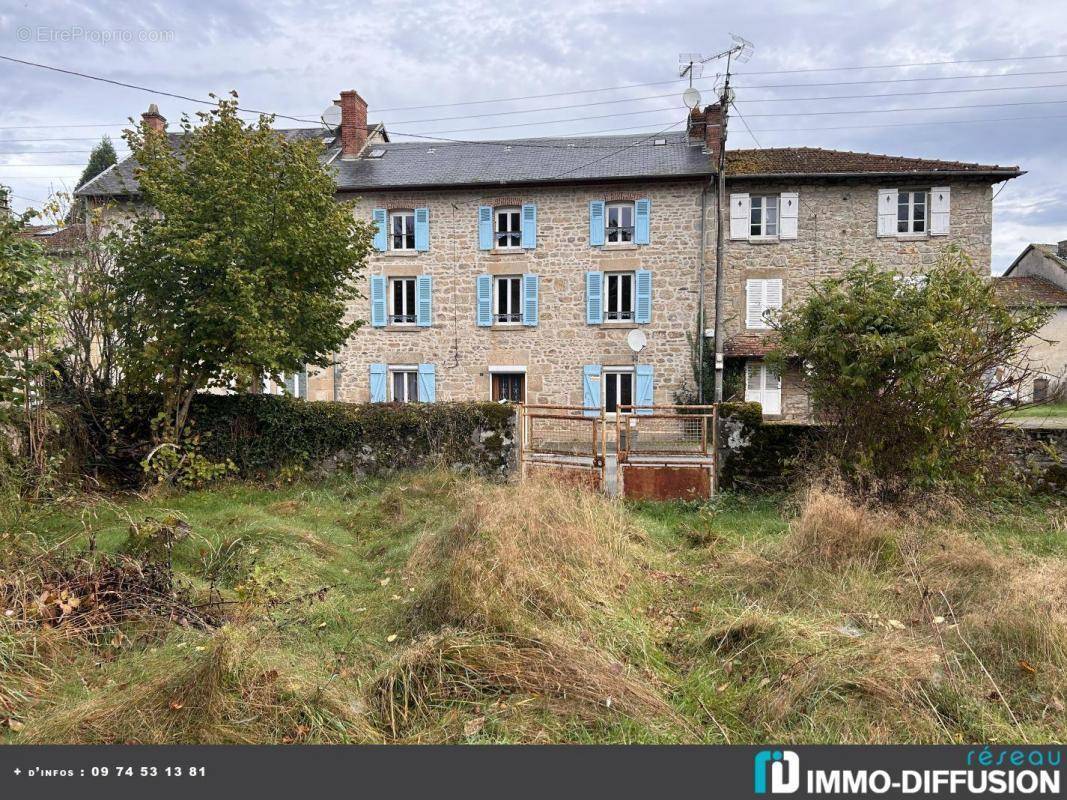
<point>754,291</point>
<point>940,202</point>
<point>887,212</point>
<point>753,382</point>
<point>772,392</point>
<point>788,213</point>
<point>740,216</point>
<point>772,297</point>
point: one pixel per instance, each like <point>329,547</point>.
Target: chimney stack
<point>153,120</point>
<point>713,131</point>
<point>1061,249</point>
<point>353,123</point>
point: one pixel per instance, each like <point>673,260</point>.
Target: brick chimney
<point>153,119</point>
<point>353,123</point>
<point>696,126</point>
<point>713,131</point>
<point>1061,249</point>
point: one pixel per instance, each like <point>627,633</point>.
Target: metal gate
<point>666,452</point>
<point>564,442</point>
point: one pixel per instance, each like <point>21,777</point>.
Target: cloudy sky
<point>410,60</point>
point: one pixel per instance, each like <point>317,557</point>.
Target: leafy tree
<point>29,335</point>
<point>903,370</point>
<point>102,156</point>
<point>244,264</point>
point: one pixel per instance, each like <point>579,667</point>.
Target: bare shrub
<point>833,531</point>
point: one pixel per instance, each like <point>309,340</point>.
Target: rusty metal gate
<point>666,452</point>
<point>564,442</point>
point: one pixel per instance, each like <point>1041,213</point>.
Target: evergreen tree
<point>102,157</point>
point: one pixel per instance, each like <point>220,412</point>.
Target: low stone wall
<point>1040,456</point>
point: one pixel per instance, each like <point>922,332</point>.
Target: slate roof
<point>814,161</point>
<point>407,165</point>
<point>1049,251</point>
<point>1029,292</point>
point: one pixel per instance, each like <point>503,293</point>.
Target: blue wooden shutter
<point>377,301</point>
<point>591,390</point>
<point>422,229</point>
<point>381,234</point>
<point>596,222</point>
<point>423,301</point>
<point>594,297</point>
<point>529,299</point>
<point>485,227</point>
<point>485,301</point>
<point>642,212</point>
<point>377,383</point>
<point>528,225</point>
<point>643,281</point>
<point>427,383</point>
<point>643,390</point>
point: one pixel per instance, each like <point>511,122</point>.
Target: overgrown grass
<point>432,608</point>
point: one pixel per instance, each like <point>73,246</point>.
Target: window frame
<point>407,233</point>
<point>410,382</point>
<point>761,203</point>
<point>621,314</point>
<point>392,314</point>
<point>616,373</point>
<point>909,195</point>
<point>510,296</point>
<point>514,216</point>
<point>620,231</point>
<point>495,374</point>
<point>765,373</point>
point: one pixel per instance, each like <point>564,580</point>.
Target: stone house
<point>515,270</point>
<point>1038,277</point>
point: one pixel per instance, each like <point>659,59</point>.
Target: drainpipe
<point>700,297</point>
<point>719,255</point>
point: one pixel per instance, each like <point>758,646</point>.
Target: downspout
<point>719,257</point>
<point>700,296</point>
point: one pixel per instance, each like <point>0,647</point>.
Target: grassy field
<point>429,608</point>
<point>1046,411</point>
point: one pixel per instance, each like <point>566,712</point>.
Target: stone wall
<point>837,227</point>
<point>554,352</point>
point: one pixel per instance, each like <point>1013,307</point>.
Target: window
<point>510,386</point>
<point>620,222</point>
<point>911,211</point>
<point>508,301</point>
<point>508,231</point>
<point>763,215</point>
<point>763,298</point>
<point>403,384</point>
<point>1041,390</point>
<point>618,389</point>
<point>402,301</point>
<point>763,386</point>
<point>402,229</point>
<point>620,300</point>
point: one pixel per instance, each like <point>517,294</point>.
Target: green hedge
<point>263,433</point>
<point>760,456</point>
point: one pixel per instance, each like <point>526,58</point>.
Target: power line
<point>913,124</point>
<point>906,94</point>
<point>745,122</point>
<point>904,80</point>
<point>922,108</point>
<point>900,66</point>
<point>616,152</point>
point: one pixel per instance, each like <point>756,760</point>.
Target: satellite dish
<point>637,340</point>
<point>691,97</point>
<point>331,117</point>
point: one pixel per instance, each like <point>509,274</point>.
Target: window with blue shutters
<point>596,222</point>
<point>594,297</point>
<point>484,300</point>
<point>423,301</point>
<point>485,227</point>
<point>422,229</point>
<point>381,232</point>
<point>377,301</point>
<point>529,226</point>
<point>643,310</point>
<point>529,299</point>
<point>427,383</point>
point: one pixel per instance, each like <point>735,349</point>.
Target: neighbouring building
<point>1038,277</point>
<point>514,270</point>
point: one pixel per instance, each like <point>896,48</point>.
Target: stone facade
<point>552,353</point>
<point>837,227</point>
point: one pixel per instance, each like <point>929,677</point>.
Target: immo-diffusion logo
<point>784,769</point>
